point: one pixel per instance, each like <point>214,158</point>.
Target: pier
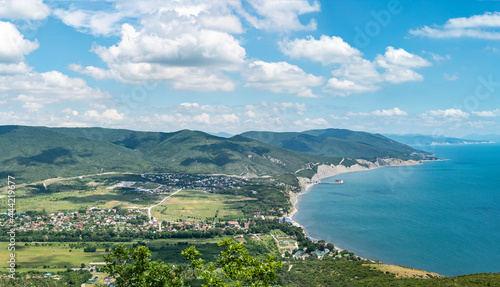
<point>338,181</point>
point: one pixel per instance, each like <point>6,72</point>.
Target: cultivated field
<point>404,272</point>
<point>199,206</point>
<point>53,254</point>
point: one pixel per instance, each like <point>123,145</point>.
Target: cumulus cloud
<point>280,77</point>
<point>48,87</point>
<point>13,45</point>
<point>448,77</point>
<point>94,72</point>
<point>361,75</point>
<point>484,26</point>
<point>448,113</point>
<point>19,83</point>
<point>327,50</point>
<point>352,73</point>
<point>390,113</point>
<point>399,65</point>
<point>23,10</point>
<point>107,115</point>
<point>344,87</point>
<point>174,45</point>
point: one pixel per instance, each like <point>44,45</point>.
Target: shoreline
<point>306,184</point>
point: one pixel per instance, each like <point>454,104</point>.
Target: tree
<point>330,246</point>
<point>133,267</point>
<point>240,268</point>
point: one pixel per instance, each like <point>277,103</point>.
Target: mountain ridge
<point>42,152</point>
<point>339,142</point>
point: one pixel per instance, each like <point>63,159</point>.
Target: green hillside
<point>197,152</point>
<point>338,143</point>
<point>35,153</point>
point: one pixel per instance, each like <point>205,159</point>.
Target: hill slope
<point>39,152</point>
<point>35,153</point>
<point>339,143</point>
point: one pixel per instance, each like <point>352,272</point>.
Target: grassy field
<point>198,206</point>
<point>403,272</point>
<point>57,256</point>
<point>74,194</point>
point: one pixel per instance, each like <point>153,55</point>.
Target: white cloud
<point>390,113</point>
<point>399,64</point>
<point>222,23</point>
<point>174,45</point>
<point>23,9</point>
<point>70,111</point>
<point>170,43</point>
<point>477,21</point>
<point>20,84</point>
<point>448,113</point>
<point>94,72</point>
<point>107,115</point>
<point>204,119</point>
<point>307,93</point>
<point>280,15</point>
<point>401,59</point>
<point>13,46</point>
<point>327,50</point>
<point>477,26</point>
<point>273,109</point>
<point>317,122</point>
<point>493,113</point>
<point>381,113</point>
<point>14,68</point>
<point>346,87</point>
<point>352,73</point>
<point>189,105</point>
<point>196,108</point>
<point>48,87</point>
<point>93,22</point>
<point>280,77</point>
<point>32,106</point>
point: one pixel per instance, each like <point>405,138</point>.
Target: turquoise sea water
<point>440,216</point>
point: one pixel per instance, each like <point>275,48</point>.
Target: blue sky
<point>427,67</point>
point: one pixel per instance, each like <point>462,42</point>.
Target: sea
<point>440,216</point>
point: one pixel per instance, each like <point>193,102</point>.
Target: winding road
<point>161,202</point>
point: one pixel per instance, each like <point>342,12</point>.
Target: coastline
<point>332,170</point>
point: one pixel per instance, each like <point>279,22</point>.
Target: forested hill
<point>339,143</point>
<point>34,153</point>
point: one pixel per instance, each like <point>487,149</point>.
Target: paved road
<point>161,202</point>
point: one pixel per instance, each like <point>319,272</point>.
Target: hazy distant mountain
<point>490,137</point>
<point>338,143</point>
<point>417,139</point>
